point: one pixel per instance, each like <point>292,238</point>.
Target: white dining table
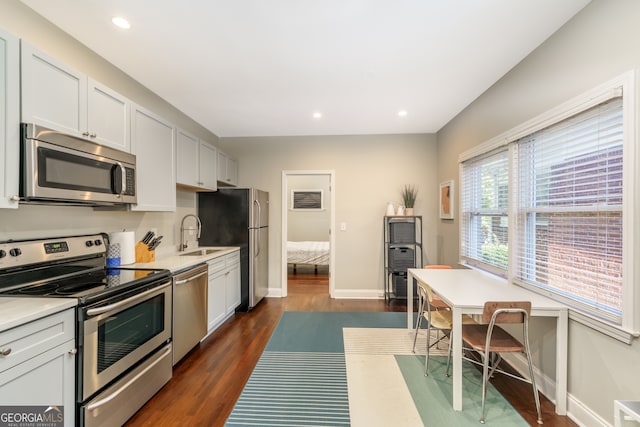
<point>466,291</point>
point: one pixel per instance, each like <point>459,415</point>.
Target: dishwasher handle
<point>189,279</point>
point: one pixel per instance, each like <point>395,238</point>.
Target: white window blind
<point>569,210</point>
<point>484,209</point>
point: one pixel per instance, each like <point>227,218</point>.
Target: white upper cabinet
<point>53,94</point>
<point>109,116</point>
<point>187,159</point>
<point>196,162</point>
<point>9,119</point>
<point>227,170</point>
<point>59,97</point>
<point>208,166</point>
<point>153,143</point>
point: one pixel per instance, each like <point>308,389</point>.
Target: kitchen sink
<point>201,252</point>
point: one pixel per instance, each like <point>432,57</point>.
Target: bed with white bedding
<point>309,253</point>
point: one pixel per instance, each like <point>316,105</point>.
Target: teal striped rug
<point>357,369</point>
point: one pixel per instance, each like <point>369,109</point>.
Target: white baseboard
<point>358,294</point>
<point>576,410</point>
<point>274,293</point>
<point>340,294</point>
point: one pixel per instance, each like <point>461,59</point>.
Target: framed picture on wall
<point>446,200</point>
<point>307,200</point>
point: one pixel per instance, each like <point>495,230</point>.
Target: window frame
<point>477,213</point>
<point>630,324</point>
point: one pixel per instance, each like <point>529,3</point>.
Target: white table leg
<point>457,359</point>
<point>562,332</point>
<point>410,278</point>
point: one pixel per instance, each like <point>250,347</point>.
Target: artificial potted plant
<point>409,194</point>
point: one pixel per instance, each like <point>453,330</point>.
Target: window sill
<point>614,331</point>
<point>602,326</point>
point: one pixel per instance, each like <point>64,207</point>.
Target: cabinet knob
<point>14,198</point>
<point>5,351</point>
<point>92,135</point>
<point>85,133</point>
<point>73,351</point>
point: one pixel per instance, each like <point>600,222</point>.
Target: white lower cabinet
<point>216,293</point>
<point>224,289</point>
<point>37,365</point>
<point>232,274</point>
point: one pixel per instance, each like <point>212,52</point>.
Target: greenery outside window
<point>484,207</point>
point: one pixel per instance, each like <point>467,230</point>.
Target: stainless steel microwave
<point>57,168</point>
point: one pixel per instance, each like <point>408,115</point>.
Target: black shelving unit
<point>402,250</point>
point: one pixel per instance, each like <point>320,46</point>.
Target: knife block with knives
<point>145,248</point>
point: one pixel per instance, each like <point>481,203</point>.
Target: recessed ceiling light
<point>317,115</point>
<point>121,22</point>
<point>402,113</point>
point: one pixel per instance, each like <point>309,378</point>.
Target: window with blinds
<point>569,209</point>
<point>484,209</point>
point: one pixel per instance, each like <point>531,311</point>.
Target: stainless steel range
<point>123,331</point>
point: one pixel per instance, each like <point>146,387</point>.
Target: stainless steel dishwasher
<point>189,309</point>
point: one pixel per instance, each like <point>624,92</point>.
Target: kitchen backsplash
<point>38,221</point>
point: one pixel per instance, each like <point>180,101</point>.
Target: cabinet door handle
<point>5,351</point>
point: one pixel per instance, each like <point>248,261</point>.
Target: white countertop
<point>16,311</point>
<point>176,261</point>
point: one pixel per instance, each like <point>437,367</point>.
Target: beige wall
<point>600,43</point>
<point>369,172</point>
<point>43,221</point>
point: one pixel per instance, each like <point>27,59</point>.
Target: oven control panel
<point>56,247</point>
<point>17,253</point>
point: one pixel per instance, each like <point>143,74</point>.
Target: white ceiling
<point>262,68</point>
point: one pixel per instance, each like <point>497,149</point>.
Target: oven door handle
<point>126,385</point>
<point>106,308</point>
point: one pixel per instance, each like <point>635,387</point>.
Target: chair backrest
<point>437,267</point>
<point>425,292</point>
<point>491,307</point>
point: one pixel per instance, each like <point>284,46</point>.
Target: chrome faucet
<point>183,242</point>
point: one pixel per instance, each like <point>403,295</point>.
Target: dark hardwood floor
<point>207,382</point>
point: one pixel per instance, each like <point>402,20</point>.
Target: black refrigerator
<point>240,217</point>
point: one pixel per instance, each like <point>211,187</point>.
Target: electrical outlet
<point>343,226</point>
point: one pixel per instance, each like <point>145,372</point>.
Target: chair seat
<point>438,304</point>
<point>501,340</point>
<point>444,319</point>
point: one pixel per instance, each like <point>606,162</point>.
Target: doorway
<point>308,218</point>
